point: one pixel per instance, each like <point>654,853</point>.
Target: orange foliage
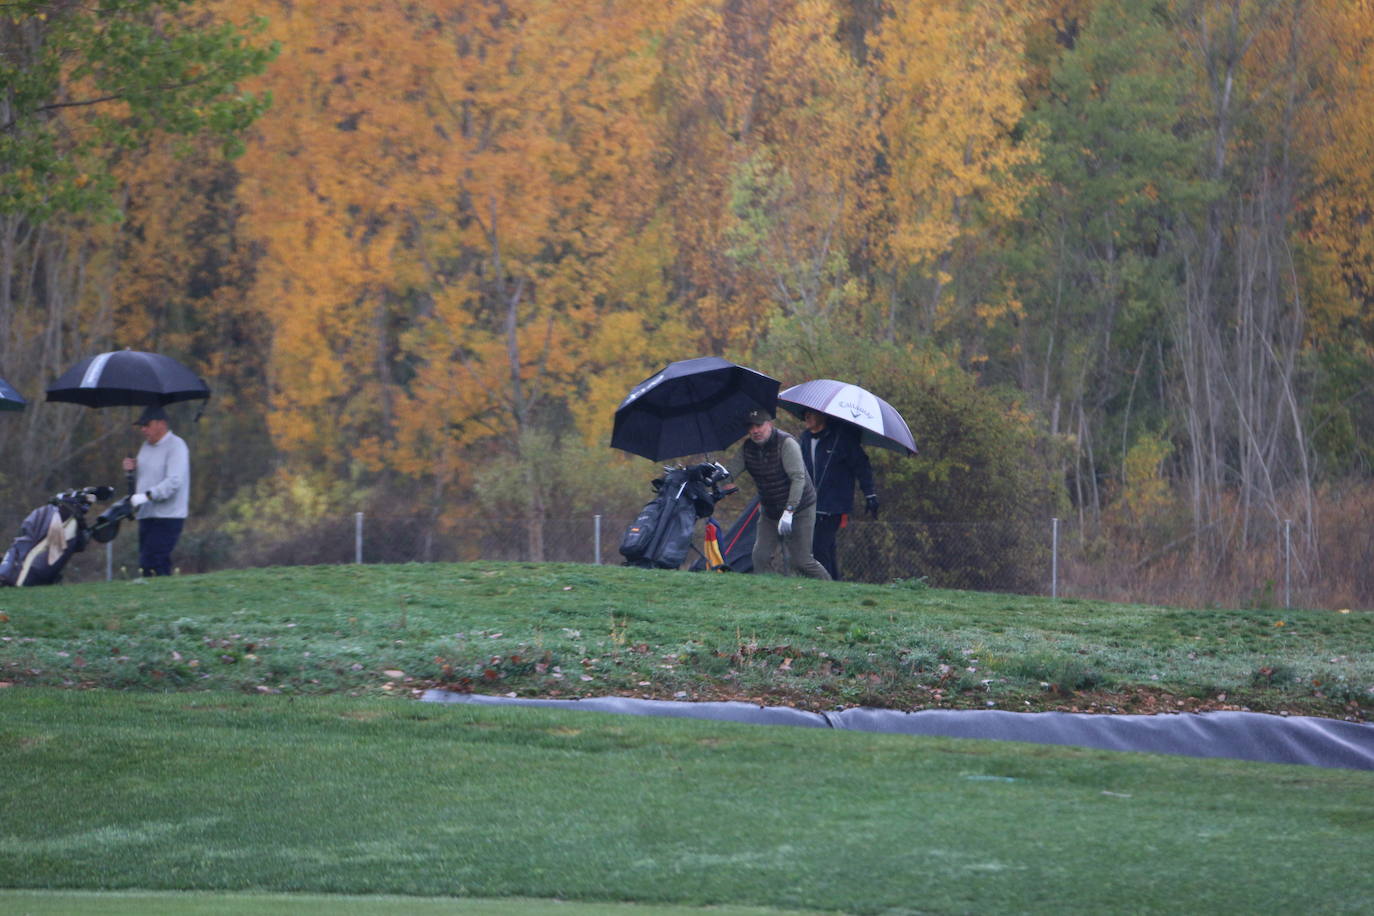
<point>453,200</point>
<point>951,74</point>
<point>761,93</point>
<point>1342,227</point>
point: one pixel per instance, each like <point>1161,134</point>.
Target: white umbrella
<point>881,424</point>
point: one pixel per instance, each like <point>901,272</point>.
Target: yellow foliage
<point>950,74</point>
<point>445,196</point>
<point>762,96</point>
<point>284,504</point>
<point>1145,489</point>
<point>1340,40</point>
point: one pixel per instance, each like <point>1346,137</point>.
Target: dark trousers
<point>823,542</point>
<point>157,537</point>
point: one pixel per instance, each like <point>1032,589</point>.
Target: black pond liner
<point>1238,735</point>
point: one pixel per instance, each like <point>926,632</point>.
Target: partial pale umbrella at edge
<point>9,398</point>
<point>882,425</point>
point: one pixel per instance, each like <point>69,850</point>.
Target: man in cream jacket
<point>162,491</point>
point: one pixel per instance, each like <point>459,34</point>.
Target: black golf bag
<point>661,535</point>
<point>52,533</point>
<point>736,543</point>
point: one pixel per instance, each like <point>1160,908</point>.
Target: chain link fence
<point>1049,557</point>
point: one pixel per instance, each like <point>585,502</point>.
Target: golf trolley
<point>52,533</point>
<point>661,535</point>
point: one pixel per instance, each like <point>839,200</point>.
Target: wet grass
<point>191,903</point>
<point>222,792</point>
<point>574,630</point>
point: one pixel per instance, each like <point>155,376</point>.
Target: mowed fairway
<point>193,903</point>
<point>218,741</point>
<point>353,796</point>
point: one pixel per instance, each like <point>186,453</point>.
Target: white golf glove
<point>785,524</point>
<point>138,499</point>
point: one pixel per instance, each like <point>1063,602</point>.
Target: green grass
<point>218,791</point>
<point>571,630</point>
<point>191,903</point>
<point>226,739</point>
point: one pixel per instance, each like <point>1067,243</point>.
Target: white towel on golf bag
<point>57,538</point>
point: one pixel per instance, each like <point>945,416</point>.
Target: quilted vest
<point>764,463</point>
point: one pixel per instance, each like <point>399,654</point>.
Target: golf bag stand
<point>661,535</point>
<point>52,533</point>
<point>736,543</point>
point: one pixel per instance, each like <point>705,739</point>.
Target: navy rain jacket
<point>839,461</point>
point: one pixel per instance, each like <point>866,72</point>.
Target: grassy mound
<point>573,630</point>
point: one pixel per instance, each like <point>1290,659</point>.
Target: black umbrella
<point>9,398</point>
<point>124,378</point>
<point>878,420</point>
<point>691,407</point>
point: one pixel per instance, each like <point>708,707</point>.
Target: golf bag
<point>735,544</point>
<point>52,533</point>
<point>661,535</point>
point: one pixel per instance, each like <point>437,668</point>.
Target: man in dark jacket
<point>786,496</point>
<point>835,460</point>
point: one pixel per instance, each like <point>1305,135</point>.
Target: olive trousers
<point>797,545</point>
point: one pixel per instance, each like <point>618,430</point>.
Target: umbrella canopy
<point>691,407</point>
<point>123,378</point>
<point>882,426</point>
<point>9,398</point>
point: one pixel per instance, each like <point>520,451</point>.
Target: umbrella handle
<point>129,479</point>
<point>203,404</point>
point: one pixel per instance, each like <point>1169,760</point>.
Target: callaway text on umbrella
<point>692,407</point>
<point>124,378</point>
<point>882,426</point>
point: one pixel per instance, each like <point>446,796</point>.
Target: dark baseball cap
<point>150,413</point>
<point>757,416</point>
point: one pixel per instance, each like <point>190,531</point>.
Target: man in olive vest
<point>787,499</point>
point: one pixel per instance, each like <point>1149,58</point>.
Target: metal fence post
<point>358,538</point>
<point>1287,563</point>
<point>596,527</point>
<point>1054,559</point>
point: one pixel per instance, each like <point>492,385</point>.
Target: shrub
<point>984,483</point>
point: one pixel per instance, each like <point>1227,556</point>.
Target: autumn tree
<point>950,102</point>
<point>473,187</point>
<point>1340,235</point>
<point>1098,263</point>
<point>773,158</point>
<point>84,88</point>
<point>1240,328</point>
